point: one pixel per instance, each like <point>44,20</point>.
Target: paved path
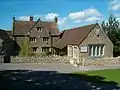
<point>62,68</point>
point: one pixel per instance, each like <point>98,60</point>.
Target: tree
<point>25,48</point>
<point>111,28</point>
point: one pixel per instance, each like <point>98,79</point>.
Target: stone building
<point>41,34</point>
<point>7,45</point>
<point>85,42</point>
<point>88,41</point>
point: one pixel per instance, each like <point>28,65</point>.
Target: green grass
<point>108,74</point>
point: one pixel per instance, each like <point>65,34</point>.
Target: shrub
<point>25,48</point>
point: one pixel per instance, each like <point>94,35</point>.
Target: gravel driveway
<point>34,76</point>
<point>62,68</point>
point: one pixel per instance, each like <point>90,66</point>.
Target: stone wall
<point>47,59</point>
<point>67,60</point>
<point>101,62</point>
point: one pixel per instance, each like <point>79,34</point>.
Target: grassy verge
<point>108,74</point>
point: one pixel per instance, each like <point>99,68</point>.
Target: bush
<point>31,54</point>
<point>25,48</point>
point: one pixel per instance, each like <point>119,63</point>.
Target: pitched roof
<point>9,33</point>
<point>4,35</point>
<point>74,36</point>
<point>23,27</point>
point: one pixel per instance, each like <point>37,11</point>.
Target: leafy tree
<point>111,28</point>
<point>25,48</point>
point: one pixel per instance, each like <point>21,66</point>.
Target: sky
<point>70,13</point>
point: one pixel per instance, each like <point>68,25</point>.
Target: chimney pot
<point>56,19</point>
<point>31,18</point>
<point>13,18</point>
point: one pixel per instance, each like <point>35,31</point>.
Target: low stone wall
<point>47,59</point>
<point>101,61</point>
<point>67,60</point>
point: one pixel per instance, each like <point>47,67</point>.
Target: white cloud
<point>62,21</point>
<point>77,21</point>
<point>90,14</point>
<point>92,11</point>
<point>76,15</point>
<point>24,18</point>
<point>113,1</point>
<point>118,19</point>
<point>92,19</point>
<point>51,16</point>
<point>115,5</point>
<point>37,16</point>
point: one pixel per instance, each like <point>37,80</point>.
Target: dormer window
<point>39,29</point>
<point>45,39</point>
<point>32,39</point>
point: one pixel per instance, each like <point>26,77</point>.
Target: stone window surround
<point>45,49</point>
<point>72,50</point>
<point>96,50</point>
<point>45,39</point>
<point>39,29</point>
<point>34,49</point>
<point>32,39</point>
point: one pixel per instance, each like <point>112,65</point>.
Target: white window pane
<point>95,50</point>
<point>99,51</point>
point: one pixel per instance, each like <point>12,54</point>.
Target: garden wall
<point>66,60</point>
<point>101,61</point>
<point>47,59</point>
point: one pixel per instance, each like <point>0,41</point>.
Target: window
<point>96,50</point>
<point>45,49</point>
<point>39,29</point>
<point>45,39</point>
<point>34,49</point>
<point>32,39</point>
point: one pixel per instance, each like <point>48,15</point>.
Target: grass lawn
<point>108,74</point>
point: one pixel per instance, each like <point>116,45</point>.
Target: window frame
<point>39,29</point>
<point>34,51</point>
<point>96,50</point>
<point>32,39</point>
<point>45,49</point>
<point>45,39</point>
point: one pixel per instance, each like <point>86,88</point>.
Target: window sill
<point>96,56</point>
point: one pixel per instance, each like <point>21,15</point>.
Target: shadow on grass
<point>52,80</point>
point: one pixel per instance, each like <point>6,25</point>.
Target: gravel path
<point>62,68</point>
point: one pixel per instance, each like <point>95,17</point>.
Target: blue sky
<point>70,13</point>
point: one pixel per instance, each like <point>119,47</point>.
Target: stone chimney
<point>13,28</point>
<point>56,19</point>
<point>13,18</point>
<point>31,18</point>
